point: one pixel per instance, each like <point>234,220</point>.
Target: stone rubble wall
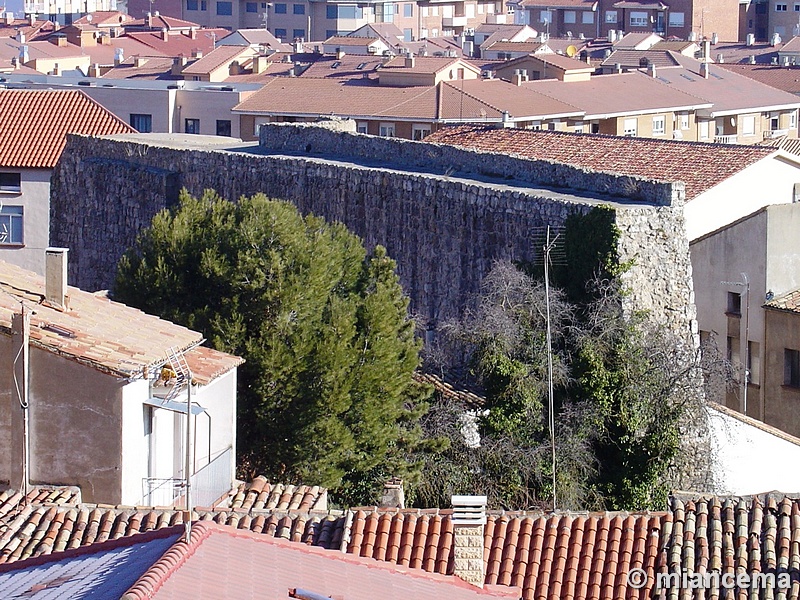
<point>443,230</point>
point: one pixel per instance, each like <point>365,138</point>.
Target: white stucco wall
<point>208,106</point>
<point>34,198</point>
<point>750,457</point>
<point>134,444</point>
<point>769,181</point>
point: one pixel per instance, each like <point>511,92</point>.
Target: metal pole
<point>746,340</point>
<point>550,401</point>
<point>189,461</point>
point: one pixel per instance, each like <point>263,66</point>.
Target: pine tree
<point>326,394</point>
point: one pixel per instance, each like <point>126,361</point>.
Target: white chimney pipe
<point>55,277</point>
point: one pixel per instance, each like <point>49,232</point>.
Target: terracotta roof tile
<point>653,159</point>
<point>788,302</point>
<point>35,124</point>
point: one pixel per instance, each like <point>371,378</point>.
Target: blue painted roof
<point>94,576</point>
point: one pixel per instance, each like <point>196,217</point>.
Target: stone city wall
<point>444,229</point>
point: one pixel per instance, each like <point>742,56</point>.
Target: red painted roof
<point>212,565</point>
<point>35,124</point>
<point>664,160</point>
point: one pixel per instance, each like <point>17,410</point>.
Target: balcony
<point>454,22</point>
<point>726,139</point>
<point>35,7</point>
<point>775,133</point>
<point>209,484</point>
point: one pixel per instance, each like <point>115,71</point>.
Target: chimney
<point>260,64</point>
<point>193,33</point>
<point>714,39</point>
<point>751,39</point>
<point>720,58</point>
<point>23,55</point>
<point>393,496</point>
<point>177,65</point>
<point>617,68</point>
<point>164,34</point>
<point>14,63</point>
<point>505,120</point>
<point>56,70</point>
<point>704,70</point>
<point>410,60</point>
<point>339,54</point>
<point>94,70</point>
<point>751,59</point>
<point>197,53</point>
<point>61,41</point>
<point>651,70</point>
<point>55,277</point>
<point>8,18</point>
<point>706,50</point>
<point>518,77</point>
<point>469,518</point>
<point>20,37</point>
<point>119,56</point>
<point>149,19</point>
<point>32,19</point>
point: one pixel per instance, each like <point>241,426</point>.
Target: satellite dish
<point>89,18</point>
<point>571,50</point>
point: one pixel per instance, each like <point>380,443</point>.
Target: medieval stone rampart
<point>443,213</point>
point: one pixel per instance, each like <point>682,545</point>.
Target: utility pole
<point>189,460</point>
<point>550,400</point>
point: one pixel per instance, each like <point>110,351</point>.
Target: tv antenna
<point>547,249</point>
<point>183,379</point>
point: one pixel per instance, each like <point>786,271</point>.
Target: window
<point>224,128</point>
<point>629,127</point>
<point>191,125</point>
<point>203,5</point>
<point>732,349</point>
<point>298,33</point>
<point>578,127</point>
<point>361,126</point>
<point>748,125</point>
<point>780,8</point>
<point>384,13</point>
<point>753,363</point>
<point>298,9</point>
<point>797,8</point>
<point>251,7</point>
<point>587,18</point>
<point>569,16</point>
<point>408,35</point>
<point>658,125</point>
<point>545,16</point>
<point>639,19</point>
<point>702,128</point>
<point>791,367</point>
<point>280,9</point>
<point>280,32</point>
<point>684,121</point>
<point>408,10</point>
<point>11,225</point>
<point>611,16</point>
<point>734,304</point>
<point>676,19</point>
<point>387,130</point>
<point>191,5</point>
<point>420,131</point>
<point>142,123</point>
<point>10,182</point>
<point>224,9</point>
<point>774,122</point>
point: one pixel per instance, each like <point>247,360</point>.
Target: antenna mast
<point>550,401</point>
<point>184,377</point>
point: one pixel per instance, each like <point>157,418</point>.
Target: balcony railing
<point>454,21</point>
<point>208,485</point>
<point>726,139</point>
<point>775,133</point>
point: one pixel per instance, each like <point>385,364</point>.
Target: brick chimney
<point>469,519</point>
<point>55,277</point>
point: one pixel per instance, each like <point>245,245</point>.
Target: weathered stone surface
<point>443,213</point>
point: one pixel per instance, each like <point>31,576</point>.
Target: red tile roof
<point>35,124</point>
<point>260,494</point>
<point>105,335</point>
<point>782,78</point>
<point>211,565</point>
<point>653,159</point>
<point>215,59</point>
<point>788,302</point>
<point>461,100</point>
